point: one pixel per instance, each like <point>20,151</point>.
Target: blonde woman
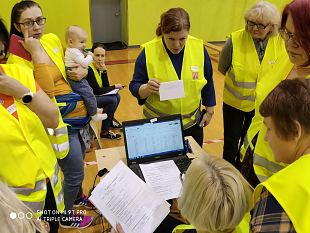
<point>215,197</point>
<point>245,57</point>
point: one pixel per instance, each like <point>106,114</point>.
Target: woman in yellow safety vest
<point>27,21</point>
<point>283,200</point>
<point>175,56</point>
<point>296,34</point>
<point>28,162</point>
<point>245,57</point>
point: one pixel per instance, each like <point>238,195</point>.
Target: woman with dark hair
<point>28,162</point>
<point>283,200</point>
<point>97,78</point>
<point>175,55</point>
<point>47,62</point>
<point>296,34</point>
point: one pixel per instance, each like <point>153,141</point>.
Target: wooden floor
<point>120,69</point>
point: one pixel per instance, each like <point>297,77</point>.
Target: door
<point>106,20</point>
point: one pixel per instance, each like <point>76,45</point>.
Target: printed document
<point>113,92</point>
<point>122,197</point>
<point>171,90</point>
<point>163,177</point>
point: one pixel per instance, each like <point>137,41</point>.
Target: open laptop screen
<point>154,138</point>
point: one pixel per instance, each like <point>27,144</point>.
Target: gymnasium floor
<point>120,65</point>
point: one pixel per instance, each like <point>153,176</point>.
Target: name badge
<point>195,70</point>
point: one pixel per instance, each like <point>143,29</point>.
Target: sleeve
<point>43,77</point>
<point>208,92</point>
<point>140,77</point>
<point>268,216</point>
<point>78,57</point>
<point>226,57</point>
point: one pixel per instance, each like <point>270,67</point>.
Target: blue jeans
<point>72,167</point>
<point>109,103</point>
<point>83,89</point>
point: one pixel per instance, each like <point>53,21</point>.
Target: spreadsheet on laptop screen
<point>152,139</point>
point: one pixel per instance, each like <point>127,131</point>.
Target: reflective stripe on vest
<point>247,85</point>
<point>290,187</point>
<point>155,113</point>
<point>239,96</point>
<point>158,64</point>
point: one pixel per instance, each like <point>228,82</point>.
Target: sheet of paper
<point>171,90</point>
<point>122,197</point>
<point>163,177</point>
<point>113,92</point>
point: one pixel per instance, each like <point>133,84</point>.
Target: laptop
<point>153,140</point>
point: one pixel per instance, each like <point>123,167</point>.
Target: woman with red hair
<point>295,31</point>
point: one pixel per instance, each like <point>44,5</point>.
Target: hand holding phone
<point>17,48</point>
<point>203,112</point>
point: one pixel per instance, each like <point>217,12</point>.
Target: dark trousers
<point>109,103</point>
<point>50,213</point>
<point>236,124</point>
<point>83,89</point>
<point>196,132</point>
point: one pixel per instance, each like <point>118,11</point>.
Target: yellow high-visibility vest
<point>243,227</point>
<point>159,66</point>
<point>27,157</point>
<point>97,74</point>
<point>290,187</point>
<point>52,45</point>
<point>245,70</point>
<point>264,162</point>
<point>266,82</point>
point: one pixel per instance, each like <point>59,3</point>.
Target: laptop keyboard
<point>182,164</point>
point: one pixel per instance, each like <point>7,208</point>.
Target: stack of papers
<point>122,197</point>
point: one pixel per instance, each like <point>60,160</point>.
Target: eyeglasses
<point>286,35</point>
<point>258,25</point>
<point>30,23</point>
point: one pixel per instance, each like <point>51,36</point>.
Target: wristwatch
<point>27,97</point>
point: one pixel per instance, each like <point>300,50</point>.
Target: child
<point>76,40</point>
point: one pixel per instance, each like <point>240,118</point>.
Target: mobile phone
<point>203,112</point>
<point>16,48</point>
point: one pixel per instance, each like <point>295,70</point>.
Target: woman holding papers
<point>172,56</point>
<point>98,80</point>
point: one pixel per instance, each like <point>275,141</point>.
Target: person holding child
<point>27,21</point>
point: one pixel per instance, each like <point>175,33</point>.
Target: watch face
<point>27,99</point>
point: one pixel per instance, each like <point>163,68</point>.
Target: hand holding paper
<point>171,90</point>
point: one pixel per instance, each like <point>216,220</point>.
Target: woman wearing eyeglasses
<point>47,62</point>
<point>296,34</point>
<point>245,57</point>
